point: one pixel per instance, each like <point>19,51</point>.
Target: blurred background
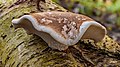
<point>106,12</point>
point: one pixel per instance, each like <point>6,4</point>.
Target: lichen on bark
<point>22,50</point>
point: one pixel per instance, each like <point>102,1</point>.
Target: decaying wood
<point>17,49</point>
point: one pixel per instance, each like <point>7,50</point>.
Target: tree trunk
<point>17,49</point>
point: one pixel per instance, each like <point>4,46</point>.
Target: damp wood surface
<point>17,49</point>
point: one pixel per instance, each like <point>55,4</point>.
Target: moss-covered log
<point>17,49</point>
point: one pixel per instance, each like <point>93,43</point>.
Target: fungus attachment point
<point>61,29</point>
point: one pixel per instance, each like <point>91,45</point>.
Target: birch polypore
<point>61,29</point>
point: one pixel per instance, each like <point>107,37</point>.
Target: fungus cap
<point>61,29</point>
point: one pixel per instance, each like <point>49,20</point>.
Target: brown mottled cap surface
<point>61,22</point>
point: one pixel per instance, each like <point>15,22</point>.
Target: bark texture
<point>17,49</point>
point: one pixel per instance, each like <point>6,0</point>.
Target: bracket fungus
<point>61,29</point>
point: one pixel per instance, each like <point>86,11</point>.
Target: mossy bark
<point>17,49</point>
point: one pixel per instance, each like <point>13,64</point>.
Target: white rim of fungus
<point>85,25</point>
